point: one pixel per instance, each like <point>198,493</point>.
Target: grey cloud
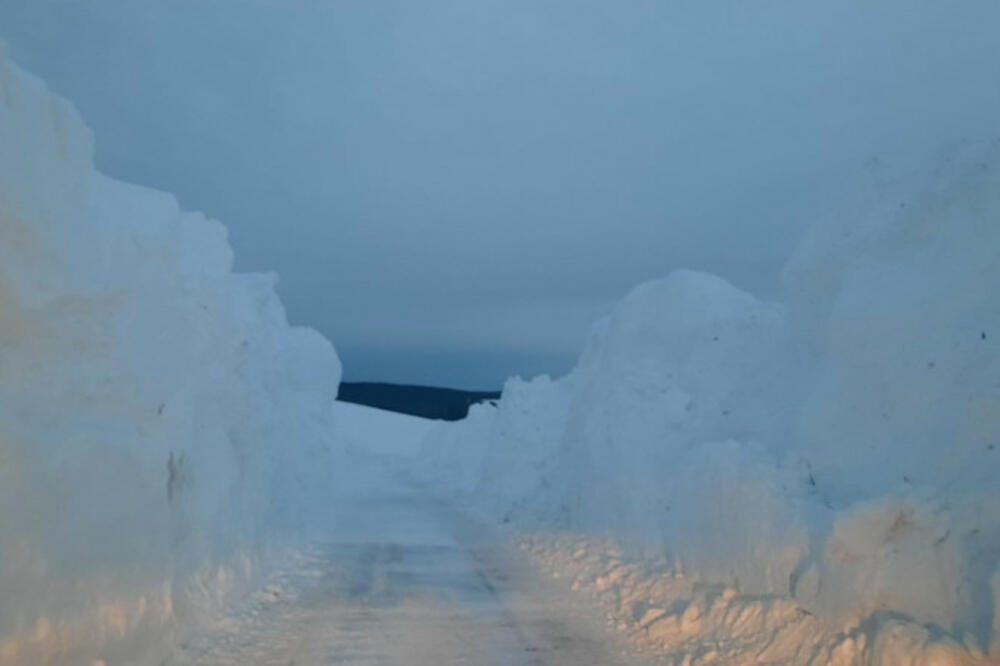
<point>488,176</point>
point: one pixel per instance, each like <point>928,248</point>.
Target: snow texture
<point>375,431</point>
<point>160,422</point>
<point>835,454</point>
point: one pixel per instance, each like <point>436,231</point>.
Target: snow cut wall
<point>841,447</point>
<point>159,419</point>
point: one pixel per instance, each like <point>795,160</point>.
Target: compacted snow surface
<point>403,579</point>
<point>727,480</point>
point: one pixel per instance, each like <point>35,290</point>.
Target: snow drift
<point>159,419</point>
<point>840,448</point>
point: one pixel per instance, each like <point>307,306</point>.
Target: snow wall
<point>160,422</point>
<point>841,447</point>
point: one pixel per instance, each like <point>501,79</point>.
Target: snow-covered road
<point>404,579</point>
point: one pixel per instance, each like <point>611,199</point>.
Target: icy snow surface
<point>161,425</point>
<point>810,481</point>
<point>400,578</point>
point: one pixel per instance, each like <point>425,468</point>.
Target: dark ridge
<point>428,401</point>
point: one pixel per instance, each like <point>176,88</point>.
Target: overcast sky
<point>453,190</point>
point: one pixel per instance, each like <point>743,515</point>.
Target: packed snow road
<point>404,579</point>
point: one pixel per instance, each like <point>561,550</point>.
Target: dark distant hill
<point>428,401</point>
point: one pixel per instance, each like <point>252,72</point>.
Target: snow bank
<point>838,449</point>
<point>370,430</point>
<point>684,620</point>
<point>159,419</point>
<point>451,454</point>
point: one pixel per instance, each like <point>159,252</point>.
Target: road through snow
<point>404,579</point>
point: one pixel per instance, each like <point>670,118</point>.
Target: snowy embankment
<point>369,430</point>
<point>160,422</point>
<point>811,481</point>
